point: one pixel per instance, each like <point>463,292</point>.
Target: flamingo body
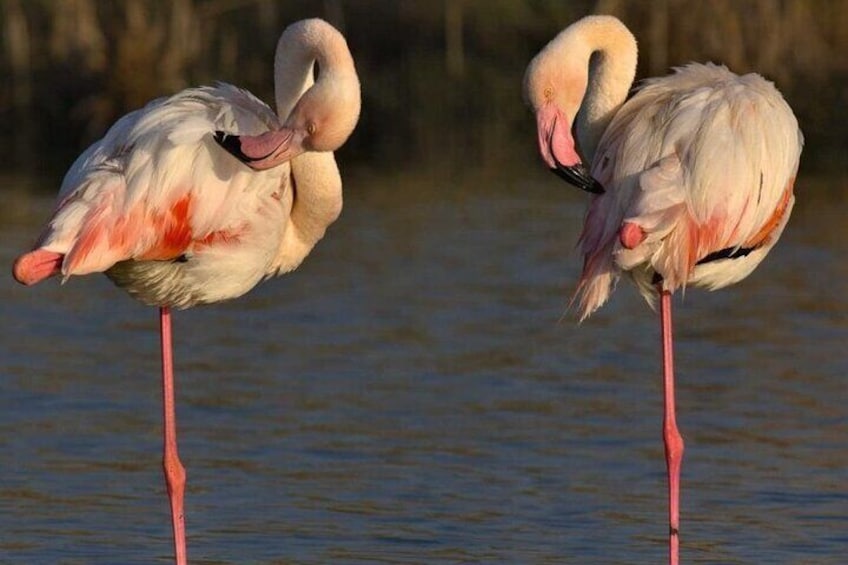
<point>692,177</point>
<point>701,161</point>
<point>161,205</point>
<point>196,198</point>
<point>167,213</point>
<point>694,173</point>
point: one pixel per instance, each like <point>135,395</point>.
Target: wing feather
<point>136,193</point>
<point>701,160</point>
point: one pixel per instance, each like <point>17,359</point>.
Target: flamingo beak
<point>264,151</point>
<point>579,177</point>
<point>556,145</point>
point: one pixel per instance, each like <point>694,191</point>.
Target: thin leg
<point>175,475</point>
<point>671,435</point>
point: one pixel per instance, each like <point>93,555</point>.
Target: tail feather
<point>596,283</point>
<point>37,265</point>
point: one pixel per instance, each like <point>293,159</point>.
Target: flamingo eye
<point>310,128</point>
<point>549,93</point>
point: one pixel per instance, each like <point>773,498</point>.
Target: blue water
<point>417,393</point>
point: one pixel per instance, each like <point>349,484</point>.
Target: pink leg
<point>175,475</point>
<point>671,436</point>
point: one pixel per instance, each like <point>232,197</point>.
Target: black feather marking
<point>726,253</point>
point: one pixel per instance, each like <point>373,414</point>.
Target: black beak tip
<point>578,176</point>
<point>594,186</point>
<point>231,144</point>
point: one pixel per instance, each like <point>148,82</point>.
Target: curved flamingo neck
<point>316,203</point>
<point>604,49</point>
<point>612,67</point>
<point>301,46</point>
<point>318,197</point>
<point>316,184</point>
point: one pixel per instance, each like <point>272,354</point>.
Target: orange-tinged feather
<point>708,240</point>
<point>761,237</point>
<point>37,265</point>
<point>217,237</point>
<point>174,232</point>
<point>105,239</point>
<point>101,245</point>
<point>92,252</point>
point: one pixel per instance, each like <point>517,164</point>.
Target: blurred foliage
<point>441,79</point>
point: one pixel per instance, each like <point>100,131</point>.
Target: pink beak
<point>556,145</point>
<point>264,151</point>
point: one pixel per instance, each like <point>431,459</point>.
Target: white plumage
<point>171,216</point>
<point>158,187</point>
<point>701,161</point>
<point>197,197</point>
<point>693,177</point>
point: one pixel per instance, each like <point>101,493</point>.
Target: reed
<point>440,79</point>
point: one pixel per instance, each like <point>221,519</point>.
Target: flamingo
<point>692,178</point>
<point>196,198</point>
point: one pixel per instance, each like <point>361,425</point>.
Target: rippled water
<point>413,394</point>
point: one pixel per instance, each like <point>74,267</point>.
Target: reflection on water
<point>411,395</point>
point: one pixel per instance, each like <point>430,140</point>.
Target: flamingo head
<point>322,120</point>
<point>554,92</point>
<point>327,114</point>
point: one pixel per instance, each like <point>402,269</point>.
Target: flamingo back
<point>702,160</point>
<point>157,189</point>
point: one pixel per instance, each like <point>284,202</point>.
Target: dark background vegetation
<point>441,78</point>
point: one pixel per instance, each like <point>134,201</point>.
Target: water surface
<point>417,393</point>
